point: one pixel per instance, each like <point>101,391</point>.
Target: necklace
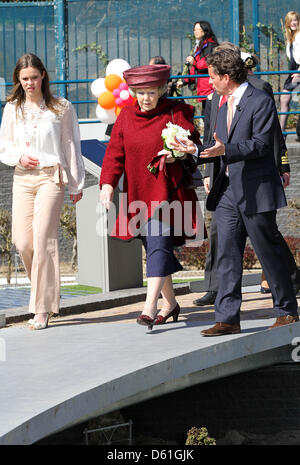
<point>31,118</point>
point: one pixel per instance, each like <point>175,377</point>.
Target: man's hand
<point>216,151</point>
<point>184,145</point>
<point>286,179</point>
<point>206,183</point>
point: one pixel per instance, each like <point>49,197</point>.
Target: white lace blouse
<point>52,138</point>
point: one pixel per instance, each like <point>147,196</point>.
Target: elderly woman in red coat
<point>153,181</point>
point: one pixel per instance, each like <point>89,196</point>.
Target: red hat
<point>147,76</point>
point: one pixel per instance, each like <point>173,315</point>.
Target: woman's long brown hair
<point>289,34</point>
<point>18,95</point>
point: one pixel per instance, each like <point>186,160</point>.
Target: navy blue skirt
<point>158,241</point>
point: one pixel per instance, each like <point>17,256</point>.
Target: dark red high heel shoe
<point>160,320</point>
<point>145,320</point>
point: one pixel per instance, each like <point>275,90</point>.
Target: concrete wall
<point>260,405</point>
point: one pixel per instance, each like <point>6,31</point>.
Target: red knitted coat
<point>135,141</point>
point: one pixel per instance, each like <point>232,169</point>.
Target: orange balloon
<point>107,100</point>
<point>112,81</point>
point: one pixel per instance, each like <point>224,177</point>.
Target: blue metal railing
<point>185,97</point>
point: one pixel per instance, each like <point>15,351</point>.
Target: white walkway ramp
<point>53,379</point>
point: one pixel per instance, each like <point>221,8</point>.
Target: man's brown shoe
<point>220,329</point>
<point>285,320</point>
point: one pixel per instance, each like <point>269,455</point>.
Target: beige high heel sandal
<point>37,325</point>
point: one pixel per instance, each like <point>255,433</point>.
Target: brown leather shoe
<point>220,329</point>
<point>285,320</point>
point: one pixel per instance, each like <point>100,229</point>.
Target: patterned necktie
<point>229,111</point>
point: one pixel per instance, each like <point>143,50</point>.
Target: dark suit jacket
<point>249,154</point>
<point>280,149</point>
<point>211,111</point>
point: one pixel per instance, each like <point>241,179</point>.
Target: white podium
<point>103,261</point>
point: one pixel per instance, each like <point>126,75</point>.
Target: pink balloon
<point>123,86</point>
<point>119,102</point>
<point>116,93</point>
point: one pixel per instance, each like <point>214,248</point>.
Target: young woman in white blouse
<point>292,36</point>
<point>40,136</point>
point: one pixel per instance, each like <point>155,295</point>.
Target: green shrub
<point>68,225</point>
<point>6,241</point>
<point>199,437</point>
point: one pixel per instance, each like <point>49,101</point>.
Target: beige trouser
<point>37,202</point>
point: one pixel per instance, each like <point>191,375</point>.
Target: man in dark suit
<point>212,169</point>
<point>245,194</point>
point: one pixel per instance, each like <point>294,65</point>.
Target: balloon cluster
<point>112,92</point>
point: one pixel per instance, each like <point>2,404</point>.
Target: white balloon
<point>106,116</point>
<point>98,86</point>
<point>117,66</point>
<point>124,94</point>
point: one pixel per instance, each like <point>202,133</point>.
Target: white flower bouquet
<point>168,135</point>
